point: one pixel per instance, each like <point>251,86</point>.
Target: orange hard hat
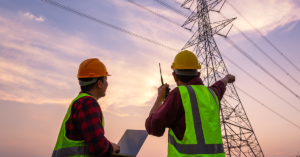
<point>92,67</point>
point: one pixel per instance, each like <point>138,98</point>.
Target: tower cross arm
<point>187,2</point>
<point>198,36</point>
<point>193,18</point>
<point>219,25</point>
<point>204,6</point>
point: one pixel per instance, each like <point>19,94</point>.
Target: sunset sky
<point>41,47</point>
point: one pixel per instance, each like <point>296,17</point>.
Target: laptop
<point>131,142</point>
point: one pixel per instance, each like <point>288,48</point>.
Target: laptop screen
<point>131,142</point>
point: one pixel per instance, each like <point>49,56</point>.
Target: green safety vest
<point>69,148</point>
<point>202,137</point>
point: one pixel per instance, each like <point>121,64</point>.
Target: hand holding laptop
<point>116,148</point>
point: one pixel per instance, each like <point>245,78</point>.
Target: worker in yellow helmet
<point>82,131</point>
<point>191,111</point>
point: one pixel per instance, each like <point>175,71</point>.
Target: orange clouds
<point>39,61</point>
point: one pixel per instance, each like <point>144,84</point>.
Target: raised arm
<point>220,86</point>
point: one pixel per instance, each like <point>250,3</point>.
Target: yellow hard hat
<point>92,67</point>
<point>186,60</point>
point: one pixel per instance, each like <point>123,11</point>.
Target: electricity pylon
<point>238,135</point>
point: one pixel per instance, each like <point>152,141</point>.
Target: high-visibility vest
<point>69,148</point>
<point>202,137</point>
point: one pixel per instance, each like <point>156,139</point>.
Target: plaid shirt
<point>85,124</point>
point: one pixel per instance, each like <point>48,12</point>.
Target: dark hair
<point>186,78</point>
<point>90,86</point>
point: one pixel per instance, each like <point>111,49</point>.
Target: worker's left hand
<point>116,148</point>
<point>162,92</point>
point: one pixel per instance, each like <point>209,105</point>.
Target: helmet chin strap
<point>85,83</point>
<point>191,72</point>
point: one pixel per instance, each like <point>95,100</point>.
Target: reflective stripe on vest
<point>70,148</point>
<point>200,147</point>
<point>71,151</point>
<point>213,94</point>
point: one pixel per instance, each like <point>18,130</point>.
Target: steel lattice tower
<point>238,135</point>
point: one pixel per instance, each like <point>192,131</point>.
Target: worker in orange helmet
<point>82,131</point>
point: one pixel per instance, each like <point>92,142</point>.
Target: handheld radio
<point>162,83</point>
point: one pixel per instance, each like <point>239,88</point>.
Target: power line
<point>125,31</point>
<point>176,2</point>
<point>257,48</point>
<point>263,36</point>
<point>260,83</point>
<point>267,107</point>
<point>260,66</point>
<point>287,46</point>
<point>105,23</point>
<point>262,51</point>
<point>133,34</point>
<point>268,42</point>
<point>244,70</point>
<point>140,6</point>
<point>239,66</point>
<point>170,7</point>
<point>295,80</point>
<point>151,11</point>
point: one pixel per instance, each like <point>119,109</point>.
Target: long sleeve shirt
<point>171,113</point>
<point>85,123</point>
